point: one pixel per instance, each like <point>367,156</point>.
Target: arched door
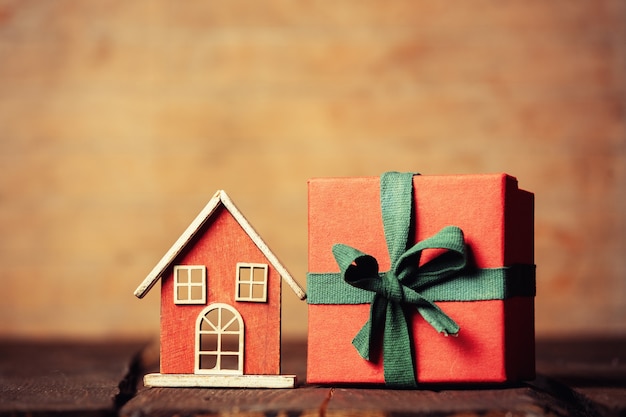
<point>219,341</point>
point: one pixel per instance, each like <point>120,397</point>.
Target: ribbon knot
<point>392,289</point>
<point>396,290</point>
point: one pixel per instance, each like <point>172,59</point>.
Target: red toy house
<point>220,304</point>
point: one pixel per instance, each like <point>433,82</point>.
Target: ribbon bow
<point>398,289</point>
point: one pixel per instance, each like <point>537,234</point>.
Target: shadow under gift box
<point>496,339</point>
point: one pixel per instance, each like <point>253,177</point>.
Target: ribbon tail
<point>362,341</point>
<point>366,340</point>
<point>439,320</point>
<point>399,368</point>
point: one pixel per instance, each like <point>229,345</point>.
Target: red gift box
<point>496,338</point>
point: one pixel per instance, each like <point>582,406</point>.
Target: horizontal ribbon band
<point>477,285</point>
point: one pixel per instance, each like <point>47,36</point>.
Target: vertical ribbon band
<point>396,292</point>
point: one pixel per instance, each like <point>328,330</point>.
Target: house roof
<point>220,198</point>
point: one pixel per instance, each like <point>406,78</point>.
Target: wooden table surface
<point>576,377</point>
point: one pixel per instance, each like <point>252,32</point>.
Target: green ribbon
<point>395,290</point>
<point>474,284</point>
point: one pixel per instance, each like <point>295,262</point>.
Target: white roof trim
<point>220,197</point>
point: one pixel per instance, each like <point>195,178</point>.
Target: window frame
<point>189,285</point>
<point>251,283</point>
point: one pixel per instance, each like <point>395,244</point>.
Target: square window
<point>244,270</point>
<point>183,275</point>
<point>258,292</point>
<point>196,292</point>
<point>259,275</point>
<point>244,291</point>
<point>251,282</point>
<point>190,284</point>
<point>197,275</point>
<point>182,293</point>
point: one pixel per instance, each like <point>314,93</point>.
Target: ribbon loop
<point>402,286</point>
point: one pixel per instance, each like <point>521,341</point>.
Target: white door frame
<point>233,326</point>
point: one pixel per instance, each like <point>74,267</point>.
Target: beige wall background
<point>119,120</point>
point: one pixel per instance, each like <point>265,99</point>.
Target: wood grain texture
<point>577,377</point>
<point>196,402</point>
<point>538,400</point>
<point>593,369</point>
<point>66,378</point>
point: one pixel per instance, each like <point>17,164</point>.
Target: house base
<point>219,381</point>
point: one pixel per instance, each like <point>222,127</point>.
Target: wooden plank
<point>476,401</point>
<point>213,401</point>
<point>579,377</point>
<point>590,369</point>
<point>350,401</point>
<point>543,396</point>
<point>59,378</point>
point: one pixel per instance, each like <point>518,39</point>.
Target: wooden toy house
<point>220,304</point>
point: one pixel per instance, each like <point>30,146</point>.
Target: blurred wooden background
<point>119,120</point>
